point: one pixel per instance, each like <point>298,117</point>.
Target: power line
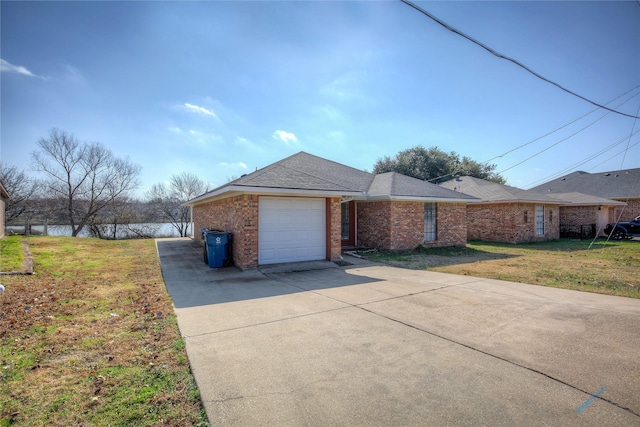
<point>587,159</point>
<point>617,154</point>
<point>556,143</point>
<point>514,61</point>
<point>632,129</point>
<point>563,126</point>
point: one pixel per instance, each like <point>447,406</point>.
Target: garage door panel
<point>291,229</point>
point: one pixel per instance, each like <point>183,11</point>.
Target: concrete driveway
<point>375,345</point>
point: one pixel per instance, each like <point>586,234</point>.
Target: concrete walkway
<point>376,345</point>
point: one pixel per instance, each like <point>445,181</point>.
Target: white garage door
<point>291,229</point>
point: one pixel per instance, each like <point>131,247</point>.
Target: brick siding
<point>238,215</point>
<point>334,222</point>
<point>399,225</point>
<point>510,222</point>
<point>629,212</point>
<point>578,215</point>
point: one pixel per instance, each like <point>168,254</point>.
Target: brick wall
<point>238,215</point>
<point>399,225</point>
<point>374,224</point>
<point>2,208</point>
<point>452,225</point>
<point>510,222</point>
<point>578,215</point>
<point>629,212</point>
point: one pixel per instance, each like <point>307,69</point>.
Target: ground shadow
<point>192,283</point>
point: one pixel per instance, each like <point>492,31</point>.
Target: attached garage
<point>291,229</point>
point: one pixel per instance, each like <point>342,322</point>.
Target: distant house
<point>621,185</point>
<point>507,214</point>
<point>305,208</point>
<point>584,215</point>
<point>512,215</point>
<point>4,195</point>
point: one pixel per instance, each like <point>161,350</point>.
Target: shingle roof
<point>393,184</point>
<point>488,191</point>
<point>621,184</point>
<point>577,199</point>
<point>306,172</point>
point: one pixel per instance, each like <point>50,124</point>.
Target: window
<point>430,229</point>
<point>539,220</point>
<point>346,225</point>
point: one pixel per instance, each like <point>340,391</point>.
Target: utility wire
<point>563,126</point>
<point>514,61</point>
<point>632,129</point>
<point>586,160</point>
<point>556,143</point>
<point>617,154</point>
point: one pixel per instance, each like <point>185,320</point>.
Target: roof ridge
<point>315,176</point>
<point>330,161</point>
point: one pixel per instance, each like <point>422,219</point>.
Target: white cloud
<point>240,165</point>
<point>7,67</point>
<point>199,110</point>
<point>286,137</point>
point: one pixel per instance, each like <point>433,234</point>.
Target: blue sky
<point>222,88</point>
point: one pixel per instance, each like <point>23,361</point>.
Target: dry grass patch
<point>603,267</point>
<point>91,339</point>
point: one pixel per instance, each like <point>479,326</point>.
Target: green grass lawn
<point>11,254</point>
<point>91,339</point>
<point>603,267</point>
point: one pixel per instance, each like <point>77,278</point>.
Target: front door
<point>348,227</point>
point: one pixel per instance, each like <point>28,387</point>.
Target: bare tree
<point>167,199</point>
<point>20,187</point>
<point>122,218</point>
<point>86,176</point>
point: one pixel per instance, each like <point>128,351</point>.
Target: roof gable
<point>306,171</point>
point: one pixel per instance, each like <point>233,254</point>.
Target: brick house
<point>308,208</point>
<point>507,214</point>
<point>4,195</point>
<point>622,186</point>
<point>512,215</point>
<point>584,215</point>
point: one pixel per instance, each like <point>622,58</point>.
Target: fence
<point>583,231</point>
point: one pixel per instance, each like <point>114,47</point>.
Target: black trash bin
<point>203,233</point>
<point>217,248</point>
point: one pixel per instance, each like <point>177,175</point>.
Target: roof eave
<point>233,190</point>
<point>418,199</point>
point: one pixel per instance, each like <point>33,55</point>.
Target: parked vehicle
<point>623,230</point>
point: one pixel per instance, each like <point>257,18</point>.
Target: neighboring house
<point>622,186</point>
<point>507,214</point>
<point>3,196</point>
<point>512,215</point>
<point>308,208</point>
<point>584,215</point>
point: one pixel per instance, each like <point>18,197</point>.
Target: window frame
<point>539,220</point>
<point>430,222</point>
